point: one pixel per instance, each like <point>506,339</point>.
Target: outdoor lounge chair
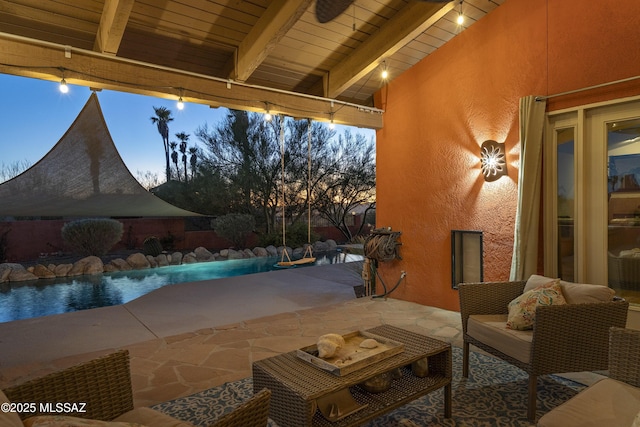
<point>104,384</point>
<point>610,402</point>
<point>573,337</point>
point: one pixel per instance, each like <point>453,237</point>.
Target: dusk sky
<point>34,115</point>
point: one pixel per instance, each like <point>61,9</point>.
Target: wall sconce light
<point>492,160</point>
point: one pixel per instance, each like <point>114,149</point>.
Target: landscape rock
<point>331,245</point>
<point>21,275</point>
<point>203,254</point>
<point>224,253</point>
<point>271,250</point>
<point>110,268</point>
<point>87,265</point>
<point>62,270</point>
<point>43,272</point>
<point>233,254</point>
<point>189,258</point>
<point>152,261</point>
<point>162,260</point>
<point>4,275</point>
<point>176,258</point>
<point>320,247</point>
<point>248,253</point>
<point>138,261</point>
<point>119,265</point>
<point>260,252</point>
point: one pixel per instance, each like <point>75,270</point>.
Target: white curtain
<point>524,262</point>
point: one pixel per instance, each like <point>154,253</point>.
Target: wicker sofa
<point>102,390</point>
<point>613,401</point>
<point>565,338</point>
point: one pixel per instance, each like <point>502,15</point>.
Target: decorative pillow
<point>535,281</point>
<point>65,421</point>
<point>522,310</point>
<point>581,293</point>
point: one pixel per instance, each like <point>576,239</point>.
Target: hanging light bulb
<point>267,115</point>
<point>385,73</point>
<point>460,19</point>
<point>63,86</point>
<point>180,104</point>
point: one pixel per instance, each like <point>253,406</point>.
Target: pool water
<point>24,300</point>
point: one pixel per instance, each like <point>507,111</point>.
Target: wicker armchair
<point>612,401</point>
<point>565,338</point>
<point>105,385</point>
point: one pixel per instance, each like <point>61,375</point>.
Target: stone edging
<point>14,272</point>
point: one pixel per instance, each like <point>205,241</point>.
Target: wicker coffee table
<point>299,389</point>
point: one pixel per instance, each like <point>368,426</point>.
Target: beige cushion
<point>8,419</point>
<point>152,418</point>
<point>492,330</point>
<point>522,310</point>
<point>65,421</point>
<point>608,403</point>
<point>574,293</point>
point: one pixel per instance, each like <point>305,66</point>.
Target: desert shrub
<point>274,239</point>
<point>235,228</point>
<point>152,246</point>
<point>296,235</point>
<point>92,236</point>
<point>4,246</point>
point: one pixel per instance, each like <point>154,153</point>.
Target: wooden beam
<point>113,22</point>
<point>279,17</point>
<point>406,25</point>
<point>31,58</point>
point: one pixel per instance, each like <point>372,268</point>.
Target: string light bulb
<point>460,19</point>
<point>332,125</point>
<point>180,104</point>
<point>63,86</point>
<point>267,115</point>
<point>385,72</point>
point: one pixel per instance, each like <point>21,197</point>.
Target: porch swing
<point>308,257</point>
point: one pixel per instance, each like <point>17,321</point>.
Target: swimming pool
<point>24,300</point>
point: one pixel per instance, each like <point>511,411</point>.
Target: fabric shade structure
<point>82,176</point>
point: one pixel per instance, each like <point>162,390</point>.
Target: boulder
<point>189,258</point>
<point>162,260</point>
<point>110,268</point>
<point>281,250</point>
<point>138,261</point>
<point>271,250</point>
<point>297,253</point>
<point>152,261</point>
<point>87,265</point>
<point>21,275</point>
<point>248,253</point>
<point>331,244</point>
<point>260,252</point>
<point>176,258</point>
<point>233,254</point>
<point>320,247</point>
<point>203,254</point>
<point>43,272</point>
<point>119,265</point>
<point>224,253</point>
<point>62,270</point>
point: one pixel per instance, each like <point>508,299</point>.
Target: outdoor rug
<point>495,394</point>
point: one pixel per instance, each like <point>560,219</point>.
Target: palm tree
<point>174,156</point>
<point>193,160</point>
<point>162,119</point>
<point>183,137</point>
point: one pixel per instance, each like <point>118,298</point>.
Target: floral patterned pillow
<point>522,310</point>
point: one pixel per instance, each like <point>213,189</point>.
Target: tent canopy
<point>83,175</point>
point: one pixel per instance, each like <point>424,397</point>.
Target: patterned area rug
<point>495,394</point>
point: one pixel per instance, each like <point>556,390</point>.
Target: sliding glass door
<point>592,196</point>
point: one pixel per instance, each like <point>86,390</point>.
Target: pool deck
<point>190,337</point>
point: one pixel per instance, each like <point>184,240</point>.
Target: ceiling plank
<point>113,22</point>
<point>279,17</point>
<point>406,25</point>
<point>30,58</point>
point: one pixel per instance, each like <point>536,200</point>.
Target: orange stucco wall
<point>438,113</point>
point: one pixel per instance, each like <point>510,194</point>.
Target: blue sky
<point>34,115</point>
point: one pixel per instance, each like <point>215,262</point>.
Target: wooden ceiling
<point>245,54</point>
